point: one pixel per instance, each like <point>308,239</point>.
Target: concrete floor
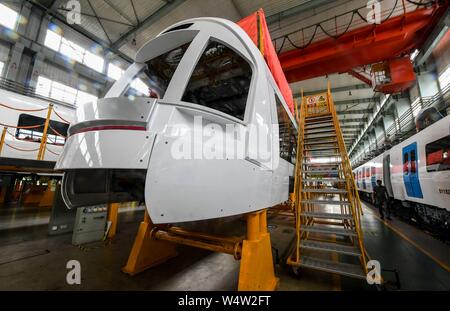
<point>31,260</point>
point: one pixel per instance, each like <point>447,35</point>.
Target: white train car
<point>24,118</point>
<point>209,90</point>
<point>416,173</point>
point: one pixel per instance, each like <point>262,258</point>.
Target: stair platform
<point>340,268</point>
<point>327,215</point>
<point>330,247</point>
<point>325,202</point>
<point>328,230</point>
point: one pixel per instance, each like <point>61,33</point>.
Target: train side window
<point>34,129</point>
<point>413,161</point>
<point>287,133</point>
<point>221,80</point>
<point>438,155</point>
<point>405,163</point>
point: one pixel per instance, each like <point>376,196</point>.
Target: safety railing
<point>22,89</point>
<point>43,141</point>
<point>404,127</point>
<point>298,178</point>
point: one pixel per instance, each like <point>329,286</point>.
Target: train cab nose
<point>107,152</point>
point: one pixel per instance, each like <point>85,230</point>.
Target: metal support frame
<point>155,244</point>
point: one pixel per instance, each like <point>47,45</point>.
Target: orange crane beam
<point>366,45</point>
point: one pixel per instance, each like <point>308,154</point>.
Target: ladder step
<point>328,230</point>
<point>317,122</point>
<point>317,136</point>
<point>322,148</point>
<point>323,180</point>
<point>321,142</point>
<point>320,171</point>
<point>310,126</point>
<point>323,116</point>
<point>322,164</point>
<point>331,247</point>
<point>325,202</point>
<point>319,130</point>
<point>341,268</point>
<point>327,215</point>
<point>329,190</point>
<point>329,155</point>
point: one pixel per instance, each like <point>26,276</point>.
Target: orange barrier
<point>25,110</point>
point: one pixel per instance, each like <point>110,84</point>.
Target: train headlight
<point>445,155</point>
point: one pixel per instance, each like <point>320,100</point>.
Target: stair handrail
<point>353,196</point>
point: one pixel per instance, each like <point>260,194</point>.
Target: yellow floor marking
<point>440,263</point>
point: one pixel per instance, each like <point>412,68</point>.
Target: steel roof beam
<point>357,111</point>
<point>55,14</point>
<point>359,120</point>
<point>164,10</point>
<point>336,89</point>
<point>358,101</point>
<point>305,6</point>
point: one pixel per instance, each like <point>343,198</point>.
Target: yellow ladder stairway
<point>326,203</point>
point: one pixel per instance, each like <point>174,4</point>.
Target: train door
<point>410,171</point>
<point>373,177</point>
<point>364,178</point>
<point>358,178</point>
<point>387,174</point>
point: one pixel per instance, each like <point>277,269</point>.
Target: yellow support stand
<point>147,252</point>
<point>2,139</point>
<point>113,210</point>
<point>154,245</point>
<point>257,271</point>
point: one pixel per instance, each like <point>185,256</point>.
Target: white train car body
<point>23,143</point>
<point>416,173</point>
<point>130,146</point>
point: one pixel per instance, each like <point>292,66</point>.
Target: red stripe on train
<point>110,127</point>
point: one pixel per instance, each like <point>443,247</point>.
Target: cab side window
<point>221,81</point>
<point>287,133</point>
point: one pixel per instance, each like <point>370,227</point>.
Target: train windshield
<point>155,75</point>
<point>221,80</point>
